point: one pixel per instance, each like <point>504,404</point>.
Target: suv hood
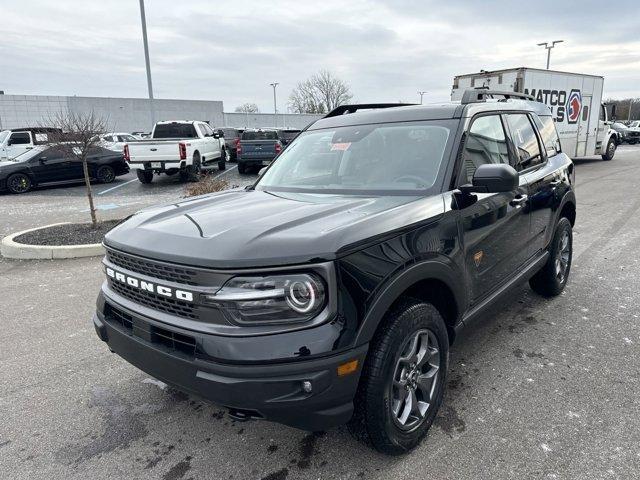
<point>240,229</point>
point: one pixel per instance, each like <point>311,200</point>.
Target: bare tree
<point>248,107</point>
<point>79,135</point>
<point>320,93</point>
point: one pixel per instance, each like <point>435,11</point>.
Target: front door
<point>495,226</point>
<point>19,142</point>
<point>52,165</point>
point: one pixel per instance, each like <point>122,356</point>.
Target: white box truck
<point>575,99</point>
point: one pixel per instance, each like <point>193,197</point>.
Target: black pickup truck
<point>331,290</point>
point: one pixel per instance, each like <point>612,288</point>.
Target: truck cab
<point>20,140</point>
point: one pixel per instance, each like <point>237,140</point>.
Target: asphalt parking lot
<point>539,389</point>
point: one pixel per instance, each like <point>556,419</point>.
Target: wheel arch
<point>432,281</point>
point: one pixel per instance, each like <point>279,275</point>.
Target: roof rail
<point>477,95</point>
<point>344,109</point>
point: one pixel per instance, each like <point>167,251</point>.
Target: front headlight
<point>271,299</point>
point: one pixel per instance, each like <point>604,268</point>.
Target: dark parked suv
<point>331,290</point>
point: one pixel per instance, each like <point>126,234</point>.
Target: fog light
<point>306,386</point>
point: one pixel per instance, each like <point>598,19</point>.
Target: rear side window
<point>229,133</point>
<point>486,143</point>
<point>525,140</point>
<point>20,138</point>
<point>549,134</point>
<point>260,135</point>
<point>175,130</point>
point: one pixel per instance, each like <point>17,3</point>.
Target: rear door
<point>495,226</point>
<point>584,128</point>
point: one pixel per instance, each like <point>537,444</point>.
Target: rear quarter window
<point>547,128</point>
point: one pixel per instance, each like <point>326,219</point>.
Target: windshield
<point>392,158</point>
<point>4,134</point>
<point>28,155</point>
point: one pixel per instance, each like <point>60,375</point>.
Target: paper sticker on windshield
<point>340,146</point>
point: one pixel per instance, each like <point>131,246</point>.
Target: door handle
<point>519,200</point>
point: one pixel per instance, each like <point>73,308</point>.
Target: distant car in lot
<point>635,124</point>
<point>626,134</point>
<point>19,140</point>
<point>141,135</point>
<point>177,146</point>
<point>231,140</point>
<point>48,165</point>
<point>288,135</point>
<point>116,141</point>
<point>258,148</point>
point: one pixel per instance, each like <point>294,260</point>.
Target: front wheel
<point>611,150</point>
<point>402,383</point>
<point>105,174</point>
<point>553,276</point>
<point>19,183</point>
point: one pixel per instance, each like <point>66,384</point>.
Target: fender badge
<point>477,257</point>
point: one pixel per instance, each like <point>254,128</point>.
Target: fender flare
<point>433,269</point>
<point>569,197</point>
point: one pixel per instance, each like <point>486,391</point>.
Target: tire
<point>552,277</point>
<point>19,183</point>
<point>242,168</point>
<point>190,173</point>
<point>611,150</point>
<point>385,394</point>
<point>222,163</point>
<point>145,176</point>
<point>106,174</point>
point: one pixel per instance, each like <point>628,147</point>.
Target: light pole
<point>275,103</point>
<point>630,108</point>
<point>421,93</point>
<point>549,47</point>
<point>146,59</point>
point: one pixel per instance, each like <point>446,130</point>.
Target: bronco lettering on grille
<point>150,287</point>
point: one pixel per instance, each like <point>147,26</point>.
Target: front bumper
<point>270,391</point>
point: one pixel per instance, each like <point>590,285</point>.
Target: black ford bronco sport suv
<point>330,291</point>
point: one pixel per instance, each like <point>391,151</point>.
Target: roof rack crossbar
<point>477,95</point>
<point>344,109</point>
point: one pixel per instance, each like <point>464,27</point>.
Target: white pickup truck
<point>179,146</point>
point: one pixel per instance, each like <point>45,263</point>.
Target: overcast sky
<point>231,51</point>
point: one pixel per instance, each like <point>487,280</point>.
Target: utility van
<point>575,100</point>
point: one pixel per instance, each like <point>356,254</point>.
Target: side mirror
<point>9,142</point>
<point>215,135</point>
<point>42,159</point>
<point>493,178</point>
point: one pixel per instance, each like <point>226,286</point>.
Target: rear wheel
<point>552,278</point>
<point>242,168</point>
<point>222,163</point>
<point>402,383</point>
<point>611,150</point>
<point>105,174</point>
<point>145,176</point>
<point>190,173</point>
<point>19,183</point>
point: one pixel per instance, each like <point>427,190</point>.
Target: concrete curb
<point>11,249</point>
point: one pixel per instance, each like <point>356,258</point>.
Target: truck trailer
<point>582,120</point>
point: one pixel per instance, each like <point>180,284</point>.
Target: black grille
<point>153,269</point>
<point>168,340</point>
<point>158,302</point>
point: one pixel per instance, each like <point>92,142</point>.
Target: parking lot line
<point>117,186</point>
<point>226,171</point>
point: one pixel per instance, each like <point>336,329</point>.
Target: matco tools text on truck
<point>575,101</point>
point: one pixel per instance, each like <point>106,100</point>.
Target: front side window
<point>525,140</point>
<point>486,143</point>
<point>20,138</point>
<point>549,134</point>
<point>381,159</point>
